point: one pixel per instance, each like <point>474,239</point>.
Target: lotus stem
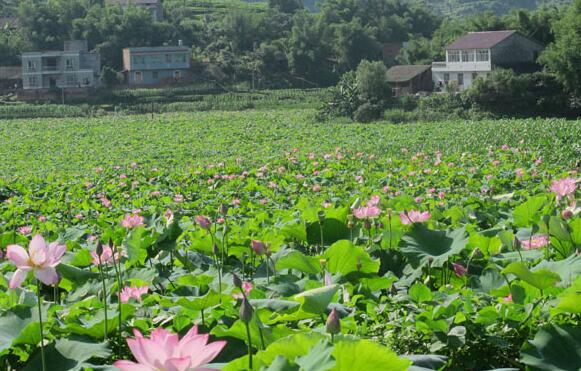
<point>104,294</point>
<point>249,346</point>
<point>38,286</point>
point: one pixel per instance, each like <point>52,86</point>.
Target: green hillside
<point>499,7</point>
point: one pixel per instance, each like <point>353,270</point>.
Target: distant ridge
<point>464,7</point>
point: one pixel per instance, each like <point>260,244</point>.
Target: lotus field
<point>264,240</point>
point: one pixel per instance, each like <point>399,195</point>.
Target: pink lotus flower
<point>235,202</point>
<point>107,256</point>
<point>246,287</point>
<point>459,269</point>
<point>204,222</point>
<point>366,212</point>
<point>164,351</point>
<point>316,188</point>
<point>25,229</point>
<point>508,298</point>
<point>519,172</point>
<point>168,215</point>
<point>535,242</point>
<point>373,201</point>
<point>259,247</point>
<point>414,216</point>
<point>563,188</point>
<point>42,218</point>
<point>178,198</point>
<point>40,258</point>
<point>155,193</point>
<point>132,220</point>
<point>133,292</point>
<point>105,202</point>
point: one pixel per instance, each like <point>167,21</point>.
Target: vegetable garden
<point>264,240</point>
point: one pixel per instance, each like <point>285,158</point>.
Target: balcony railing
<point>50,68</point>
<point>461,66</point>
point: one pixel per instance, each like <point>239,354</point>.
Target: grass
<point>180,141</point>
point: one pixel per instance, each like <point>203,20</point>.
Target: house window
<point>168,58</point>
<point>446,77</point>
<point>177,75</point>
<point>474,76</point>
<point>31,66</point>
<point>69,64</point>
<point>182,58</point>
<point>453,55</point>
<point>482,55</point>
<point>155,75</point>
<point>138,76</point>
<point>467,56</point>
<point>71,81</point>
<point>461,79</point>
<point>32,81</point>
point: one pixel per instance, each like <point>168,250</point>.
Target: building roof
<point>10,73</point>
<point>480,40</point>
<point>150,49</point>
<point>406,72</point>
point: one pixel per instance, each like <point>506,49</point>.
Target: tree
<point>563,57</point>
<point>309,51</point>
<point>286,6</point>
<point>355,43</point>
<point>372,81</point>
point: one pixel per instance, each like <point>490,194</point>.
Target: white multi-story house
<point>73,67</point>
<point>476,54</point>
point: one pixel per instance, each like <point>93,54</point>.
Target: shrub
<point>506,93</point>
<point>400,116</point>
<point>367,112</point>
<point>372,82</point>
<point>447,104</point>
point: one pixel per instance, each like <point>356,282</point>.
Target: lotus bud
<point>517,244</point>
<point>215,249</point>
<point>567,214</point>
<point>236,280</point>
<point>333,324</point>
<point>99,249</point>
<point>204,222</point>
<point>223,209</point>
<point>321,216</point>
<point>111,242</point>
<point>258,247</point>
<point>246,311</point>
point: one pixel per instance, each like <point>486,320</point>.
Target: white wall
<point>439,76</point>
